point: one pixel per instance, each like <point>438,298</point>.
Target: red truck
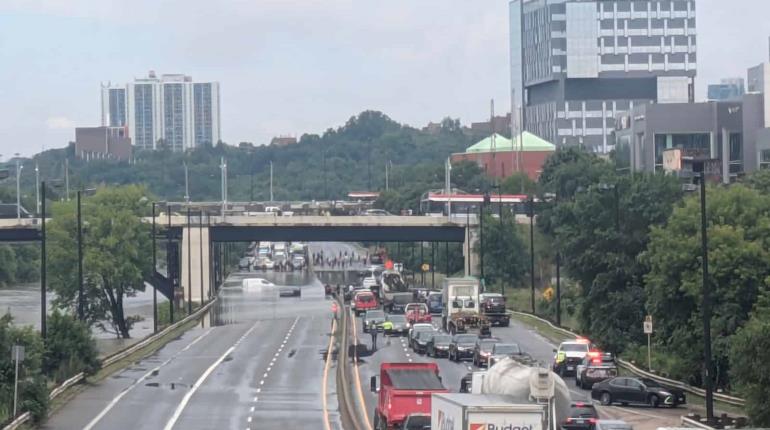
<point>405,389</point>
<point>417,313</point>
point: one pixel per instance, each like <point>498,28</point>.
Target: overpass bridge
<point>194,243</point>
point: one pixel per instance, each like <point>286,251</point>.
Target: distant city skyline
<point>288,70</point>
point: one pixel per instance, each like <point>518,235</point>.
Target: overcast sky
<point>291,66</point>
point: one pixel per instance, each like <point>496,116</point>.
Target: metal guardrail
<point>725,398</point>
<point>348,412</point>
<point>112,359</point>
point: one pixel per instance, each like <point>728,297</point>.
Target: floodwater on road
<point>22,301</point>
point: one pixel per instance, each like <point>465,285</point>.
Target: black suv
<point>595,367</point>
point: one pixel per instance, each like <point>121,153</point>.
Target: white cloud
<point>59,123</point>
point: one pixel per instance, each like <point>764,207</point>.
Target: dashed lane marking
<point>139,381</point>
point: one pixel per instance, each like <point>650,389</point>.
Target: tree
<point>69,348</point>
<point>519,183</point>
<point>116,255</point>
<point>505,253</point>
<point>33,395</point>
<point>760,181</point>
<point>600,234</point>
<point>739,270</point>
<point>749,346</point>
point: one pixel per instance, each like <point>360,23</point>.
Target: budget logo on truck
<point>492,426</point>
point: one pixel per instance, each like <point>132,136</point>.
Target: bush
<point>33,395</point>
<point>69,349</point>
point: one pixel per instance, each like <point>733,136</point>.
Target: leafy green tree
<point>600,235</point>
<point>506,255</point>
<point>739,269</point>
<point>69,348</point>
<point>759,180</point>
<point>749,346</point>
<point>33,395</point>
<point>519,183</point>
<point>7,265</point>
<point>116,249</point>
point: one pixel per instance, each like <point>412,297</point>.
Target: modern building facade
<point>170,110</point>
<point>576,65</point>
<point>102,143</point>
<point>730,89</point>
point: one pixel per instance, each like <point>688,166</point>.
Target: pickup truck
<point>493,307</point>
<point>417,313</point>
<point>404,389</point>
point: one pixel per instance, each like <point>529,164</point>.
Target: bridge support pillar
<point>471,257</point>
<point>197,278</point>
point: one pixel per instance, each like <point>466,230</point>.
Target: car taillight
<point>569,420</point>
<point>592,420</point>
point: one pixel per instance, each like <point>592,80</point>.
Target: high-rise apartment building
<point>170,109</point>
<point>113,106</point>
<point>576,64</point>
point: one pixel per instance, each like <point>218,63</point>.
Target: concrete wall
<point>193,277</point>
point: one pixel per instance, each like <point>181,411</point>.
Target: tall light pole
<point>699,167</point>
<point>19,166</point>
<point>81,308</point>
<point>186,183</point>
<point>37,189</point>
<point>532,250</point>
<point>43,256</point>
<point>223,184</point>
<point>271,181</point>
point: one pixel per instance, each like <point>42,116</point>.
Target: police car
<point>569,355</point>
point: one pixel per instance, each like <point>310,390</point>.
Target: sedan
<point>415,329</point>
<point>503,350</point>
<point>438,346</point>
<point>421,341</point>
<point>626,390</point>
<point>582,416</point>
<point>462,346</point>
<point>483,350</point>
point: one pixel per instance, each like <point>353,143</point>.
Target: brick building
<point>499,156</point>
<point>96,143</point>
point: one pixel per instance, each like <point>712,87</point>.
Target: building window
<point>736,153</point>
<point>764,159</point>
<point>694,144</point>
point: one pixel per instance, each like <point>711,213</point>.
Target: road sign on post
<point>648,331</point>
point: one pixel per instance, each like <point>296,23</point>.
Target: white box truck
<point>461,411</point>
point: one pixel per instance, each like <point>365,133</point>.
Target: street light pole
<point>532,250</point>
<point>168,265</point>
<point>271,181</point>
<point>43,304</point>
<point>186,183</point>
<point>189,266</point>
<point>18,188</point>
<point>706,304</point>
<point>37,189</point>
<point>81,309</point>
<point>558,288</point>
<point>154,269</point>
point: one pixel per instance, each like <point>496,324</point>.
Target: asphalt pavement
<point>256,361</point>
<point>395,349</point>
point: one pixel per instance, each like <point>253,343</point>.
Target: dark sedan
<point>626,390</point>
<point>420,342</point>
<point>438,346</point>
<point>483,351</point>
<point>462,346</point>
<point>582,416</point>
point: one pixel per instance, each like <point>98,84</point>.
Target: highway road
<point>257,361</point>
<point>395,349</point>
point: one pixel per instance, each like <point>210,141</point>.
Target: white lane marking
<point>269,367</point>
<point>186,399</point>
<point>258,390</point>
<point>262,382</point>
<point>248,419</point>
<point>265,375</point>
<point>251,409</point>
<point>256,398</point>
<point>139,381</point>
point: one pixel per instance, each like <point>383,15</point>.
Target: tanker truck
<point>511,394</point>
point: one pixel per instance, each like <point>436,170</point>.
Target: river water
<point>22,301</point>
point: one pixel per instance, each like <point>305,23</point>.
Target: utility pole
<point>168,265</point>
<point>37,189</point>
<point>532,250</point>
<point>81,308</point>
<point>326,192</point>
<point>186,183</point>
<point>43,304</point>
<point>154,269</point>
<point>448,187</point>
<point>387,185</point>
<point>369,164</point>
<point>19,166</point>
<point>189,266</point>
<point>706,300</point>
<point>67,178</point>
<point>271,181</point>
<point>223,183</point>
